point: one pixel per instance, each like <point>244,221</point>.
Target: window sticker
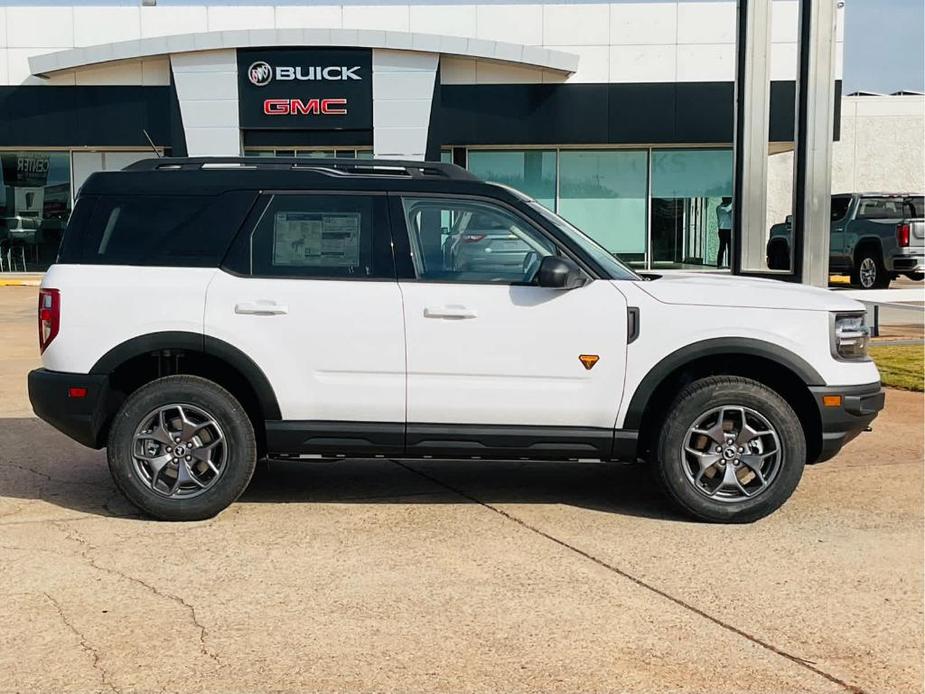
<point>316,239</point>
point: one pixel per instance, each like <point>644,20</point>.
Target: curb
<point>20,283</point>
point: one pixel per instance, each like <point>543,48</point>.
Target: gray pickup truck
<point>875,237</point>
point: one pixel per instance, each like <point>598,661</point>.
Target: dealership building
<point>619,116</point>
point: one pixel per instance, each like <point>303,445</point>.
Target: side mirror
<point>560,273</point>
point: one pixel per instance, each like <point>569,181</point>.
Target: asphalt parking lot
<point>374,575</point>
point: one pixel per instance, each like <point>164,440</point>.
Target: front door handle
<point>261,307</point>
<point>450,312</point>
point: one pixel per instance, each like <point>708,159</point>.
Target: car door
<point>310,296</point>
<point>496,364</point>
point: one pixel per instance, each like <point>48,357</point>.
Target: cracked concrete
<point>90,650</point>
<point>374,575</point>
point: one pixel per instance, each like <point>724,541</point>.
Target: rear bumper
<point>913,261</point>
<point>860,405</point>
<point>81,418</point>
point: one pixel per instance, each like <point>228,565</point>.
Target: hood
<point>747,292</point>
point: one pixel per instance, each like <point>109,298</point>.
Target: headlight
<point>850,336</point>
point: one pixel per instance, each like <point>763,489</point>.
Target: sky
<point>884,39</point>
<point>884,46</point>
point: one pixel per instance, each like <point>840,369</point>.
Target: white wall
<point>207,92</point>
<point>403,88</point>
<point>619,42</point>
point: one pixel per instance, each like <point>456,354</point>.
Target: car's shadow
<point>38,463</point>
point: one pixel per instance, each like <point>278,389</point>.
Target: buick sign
<point>305,88</point>
<point>260,73</point>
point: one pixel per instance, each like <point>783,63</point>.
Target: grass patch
<point>901,366</point>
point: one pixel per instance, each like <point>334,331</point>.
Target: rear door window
<point>323,236</point>
<point>840,207</point>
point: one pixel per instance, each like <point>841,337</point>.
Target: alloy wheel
<point>868,272</point>
<point>179,451</point>
<point>731,453</point>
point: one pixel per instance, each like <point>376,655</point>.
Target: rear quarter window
<point>880,208</point>
<point>169,230</point>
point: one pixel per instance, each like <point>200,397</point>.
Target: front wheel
<point>182,448</point>
<point>731,450</point>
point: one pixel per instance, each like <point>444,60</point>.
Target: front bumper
<point>82,418</point>
<point>859,406</point>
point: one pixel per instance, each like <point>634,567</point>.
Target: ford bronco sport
<point>204,313</point>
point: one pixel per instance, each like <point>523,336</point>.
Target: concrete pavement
<point>376,575</point>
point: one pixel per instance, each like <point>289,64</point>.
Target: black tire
<point>869,271</point>
<point>240,454</point>
<point>778,256</point>
<point>915,276</point>
<point>691,404</point>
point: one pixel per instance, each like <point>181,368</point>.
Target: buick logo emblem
<point>260,73</point>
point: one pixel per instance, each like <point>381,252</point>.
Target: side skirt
<point>415,440</point>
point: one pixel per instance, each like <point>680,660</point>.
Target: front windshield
<point>613,267</point>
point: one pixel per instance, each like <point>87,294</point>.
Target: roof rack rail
<point>333,166</point>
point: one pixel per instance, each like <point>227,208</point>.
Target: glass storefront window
<point>531,171</point>
<point>603,193</point>
<point>311,153</point>
<point>691,199</point>
<point>35,202</point>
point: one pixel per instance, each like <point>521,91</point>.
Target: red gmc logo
<point>311,107</point>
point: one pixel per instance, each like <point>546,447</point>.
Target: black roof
<point>214,175</point>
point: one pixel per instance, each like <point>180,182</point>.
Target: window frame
<point>401,237</point>
<point>239,259</point>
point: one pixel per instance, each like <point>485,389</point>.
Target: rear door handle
<point>451,312</point>
<point>261,307</point>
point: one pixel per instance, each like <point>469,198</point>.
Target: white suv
<point>204,313</point>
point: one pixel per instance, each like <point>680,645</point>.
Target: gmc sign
<point>298,107</point>
<point>305,89</point>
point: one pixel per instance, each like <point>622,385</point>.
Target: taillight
<point>472,238</point>
<point>49,316</point>
<point>902,235</point>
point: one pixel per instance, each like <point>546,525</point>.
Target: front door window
<point>470,241</point>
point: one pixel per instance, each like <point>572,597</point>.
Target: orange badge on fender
<point>588,360</point>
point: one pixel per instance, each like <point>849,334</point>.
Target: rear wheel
<point>182,448</point>
<point>869,272</point>
<point>731,450</point>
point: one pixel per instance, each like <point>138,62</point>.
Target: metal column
<point>752,115</point>
<point>815,123</point>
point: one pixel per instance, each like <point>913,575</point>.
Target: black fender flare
<point>863,243</point>
<point>194,342</point>
<point>709,348</point>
